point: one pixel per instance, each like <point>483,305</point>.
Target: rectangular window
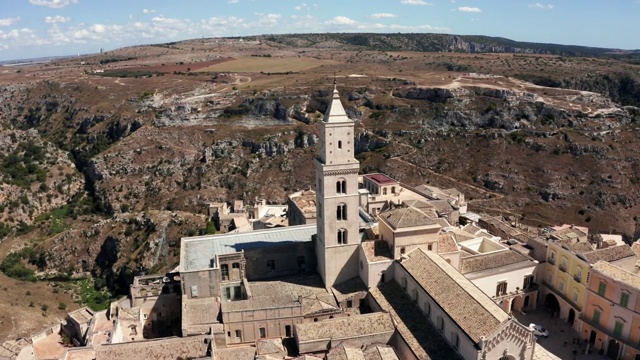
<point>575,297</point>
<point>501,288</point>
<point>430,247</point>
<point>624,299</point>
<point>224,271</point>
<point>617,328</point>
<point>237,293</point>
<point>528,281</point>
<point>349,303</point>
<point>271,265</point>
<point>227,293</point>
<point>263,333</point>
<point>239,334</point>
<point>561,287</point>
<point>596,316</point>
<point>602,288</point>
<point>549,278</point>
<point>441,323</point>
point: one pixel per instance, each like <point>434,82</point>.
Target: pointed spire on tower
<point>336,112</point>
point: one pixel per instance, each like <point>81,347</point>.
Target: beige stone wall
<point>371,272</point>
<point>276,323</point>
<point>203,280</point>
<point>285,258</point>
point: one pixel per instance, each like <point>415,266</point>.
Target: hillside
<point>107,160</point>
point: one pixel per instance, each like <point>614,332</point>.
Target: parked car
<point>539,330</point>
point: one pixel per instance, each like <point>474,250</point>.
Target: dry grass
<point>265,64</point>
<point>18,318</point>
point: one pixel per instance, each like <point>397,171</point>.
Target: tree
<point>211,228</point>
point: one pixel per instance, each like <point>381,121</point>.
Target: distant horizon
<point>41,28</point>
<point>15,61</point>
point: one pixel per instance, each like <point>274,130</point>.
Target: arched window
<point>341,212</point>
<point>393,189</point>
<point>341,187</point>
<point>384,191</point>
<point>342,236</point>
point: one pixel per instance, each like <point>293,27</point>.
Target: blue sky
<point>34,28</point>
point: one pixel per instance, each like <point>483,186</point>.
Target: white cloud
<point>19,38</point>
<point>56,19</point>
<point>414,2</point>
<point>541,6</point>
<point>469,9</point>
<point>9,21</point>
<point>382,15</point>
<point>341,20</point>
<point>55,4</point>
<point>234,1</point>
<point>148,11</point>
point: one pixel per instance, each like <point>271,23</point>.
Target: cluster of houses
<point>366,267</point>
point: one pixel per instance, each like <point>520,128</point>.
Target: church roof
<point>335,112</point>
<point>196,252</point>
<point>407,217</point>
<point>464,303</point>
<point>346,327</point>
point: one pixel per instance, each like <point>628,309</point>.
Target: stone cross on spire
<point>335,84</point>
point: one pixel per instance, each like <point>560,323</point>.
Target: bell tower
<point>337,199</point>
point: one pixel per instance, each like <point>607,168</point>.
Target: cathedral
<point>367,267</point>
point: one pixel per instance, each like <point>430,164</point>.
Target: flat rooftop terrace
<point>196,252</point>
<point>381,179</point>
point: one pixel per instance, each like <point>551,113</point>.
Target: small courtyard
<point>562,343</point>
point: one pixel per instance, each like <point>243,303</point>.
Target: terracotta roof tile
<point>424,340</point>
<point>490,261</point>
<point>345,327</point>
<point>609,254</point>
<point>619,274</point>
<point>447,243</point>
<point>406,217</point>
<point>377,250</point>
<point>475,313</point>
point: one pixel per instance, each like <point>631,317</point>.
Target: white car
<point>539,330</point>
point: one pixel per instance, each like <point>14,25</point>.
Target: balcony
<point>551,261</point>
<point>609,332</point>
<point>510,294</point>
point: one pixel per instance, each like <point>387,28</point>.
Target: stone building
<point>359,243</point>
<point>337,197</point>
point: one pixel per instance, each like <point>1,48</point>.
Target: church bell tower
<point>337,199</point>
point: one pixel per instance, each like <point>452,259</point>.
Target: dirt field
<point>21,306</point>
<point>265,64</point>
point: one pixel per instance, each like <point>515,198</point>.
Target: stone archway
<point>552,304</point>
<point>572,316</point>
<point>613,350</point>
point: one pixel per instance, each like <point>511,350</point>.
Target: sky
<point>38,28</point>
